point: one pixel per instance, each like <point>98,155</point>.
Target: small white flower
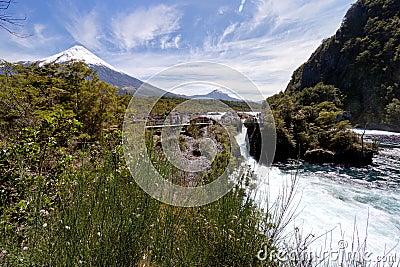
<point>68,243</point>
<point>67,227</point>
<point>80,262</point>
<point>99,233</point>
<point>25,248</point>
<point>4,251</point>
<point>44,225</point>
<point>43,212</point>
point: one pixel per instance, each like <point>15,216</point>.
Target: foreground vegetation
<point>97,215</point>
<point>67,197</point>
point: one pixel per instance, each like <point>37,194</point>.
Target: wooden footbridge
<point>156,126</point>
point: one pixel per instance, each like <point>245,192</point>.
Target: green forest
<point>312,125</point>
<point>362,60</point>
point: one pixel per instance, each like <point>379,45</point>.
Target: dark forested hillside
<point>363,60</point>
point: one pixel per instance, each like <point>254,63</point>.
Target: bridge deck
<point>176,125</point>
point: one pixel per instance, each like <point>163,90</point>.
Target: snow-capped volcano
<point>105,71</point>
<point>217,94</point>
<point>115,77</point>
<point>79,53</point>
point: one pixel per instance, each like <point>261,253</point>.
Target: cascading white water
<point>331,198</point>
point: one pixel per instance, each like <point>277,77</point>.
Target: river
<point>343,200</point>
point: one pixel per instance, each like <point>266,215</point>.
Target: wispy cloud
<point>277,37</point>
<point>38,36</point>
<point>278,15</point>
<point>85,28</point>
<point>167,41</point>
<point>143,26</point>
<point>39,29</point>
<point>267,41</point>
<point>229,30</point>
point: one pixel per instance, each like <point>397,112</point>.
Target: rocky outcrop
<point>285,151</point>
<point>353,158</point>
<point>254,137</point>
<point>362,59</point>
<point>319,156</point>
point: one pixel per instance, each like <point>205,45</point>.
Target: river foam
<point>350,203</point>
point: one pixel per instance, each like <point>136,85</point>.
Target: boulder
<point>319,156</point>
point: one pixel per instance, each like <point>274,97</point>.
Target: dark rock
<point>354,158</point>
<point>319,156</point>
<point>351,158</point>
<point>254,137</point>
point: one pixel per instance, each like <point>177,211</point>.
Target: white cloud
<point>278,38</point>
<point>38,37</point>
<point>271,17</point>
<point>167,41</point>
<point>85,29</point>
<point>39,28</point>
<point>223,9</point>
<point>229,30</point>
<point>142,26</point>
<point>264,10</point>
<point>267,41</point>
<point>268,47</point>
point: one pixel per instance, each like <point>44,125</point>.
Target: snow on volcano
<point>78,53</point>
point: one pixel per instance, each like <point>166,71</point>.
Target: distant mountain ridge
<point>217,94</point>
<point>363,60</point>
<point>117,78</point>
<point>105,71</point>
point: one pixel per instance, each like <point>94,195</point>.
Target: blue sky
<point>265,39</point>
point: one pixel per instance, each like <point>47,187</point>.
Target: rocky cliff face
<point>363,60</point>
